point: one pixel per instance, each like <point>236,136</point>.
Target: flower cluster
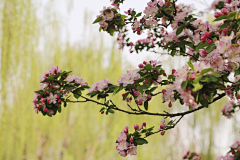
<point>100,86</point>
<point>124,146</point>
<point>233,154</point>
<point>55,86</point>
<point>192,156</point>
<point>129,78</point>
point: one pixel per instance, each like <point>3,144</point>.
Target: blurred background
<point>36,34</point>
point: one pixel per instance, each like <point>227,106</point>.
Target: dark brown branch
<point>155,114</point>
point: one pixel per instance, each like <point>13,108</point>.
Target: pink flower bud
<point>168,3</point>
<point>40,96</point>
<point>136,126</point>
<point>139,102</point>
<point>141,20</point>
<point>48,101</point>
<point>144,124</point>
<point>203,39</point>
<point>169,104</point>
<point>146,81</point>
<point>217,14</point>
<point>124,94</point>
<point>173,71</point>
<point>162,133</point>
<point>223,110</point>
<point>238,97</point>
<point>47,92</point>
<point>224,11</point>
<point>192,76</point>
<point>207,34</point>
<point>163,91</point>
<point>229,92</point>
<point>45,110</point>
<point>131,139</point>
<point>43,100</point>
<point>209,41</point>
<point>203,53</point>
<point>162,127</point>
<point>125,130</point>
<point>144,62</point>
<point>58,97</point>
<point>102,112</point>
<point>135,93</point>
<point>164,74</point>
<point>59,101</point>
<point>140,65</point>
<point>51,112</point>
<point>149,96</point>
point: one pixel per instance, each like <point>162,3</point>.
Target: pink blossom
<point>132,150</point>
<point>108,15</point>
<point>103,24</point>
<point>52,98</point>
<point>122,145</point>
<point>122,153</point>
<point>129,77</point>
<point>54,70</point>
<point>122,137</point>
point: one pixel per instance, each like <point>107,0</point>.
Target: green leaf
<point>65,104</point>
<point>76,96</point>
<point>68,89</point>
<point>190,64</point>
<point>141,141</point>
<point>221,17</point>
<point>110,30</point>
<point>146,105</point>
<point>133,13</point>
<point>201,45</point>
<point>180,29</point>
<point>231,14</point>
<point>216,74</point>
<point>193,19</point>
<point>139,14</point>
<point>59,109</point>
<point>100,28</point>
<point>213,78</point>
<point>197,86</point>
<point>148,67</point>
<point>184,84</point>
<point>210,48</point>
<point>206,71</point>
<point>237,72</point>
<point>51,76</point>
<point>140,89</point>
<point>224,25</point>
<point>111,111</point>
<point>102,109</point>
<point>97,20</point>
<point>205,79</point>
<point>118,89</point>
<point>170,76</point>
<point>123,16</point>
